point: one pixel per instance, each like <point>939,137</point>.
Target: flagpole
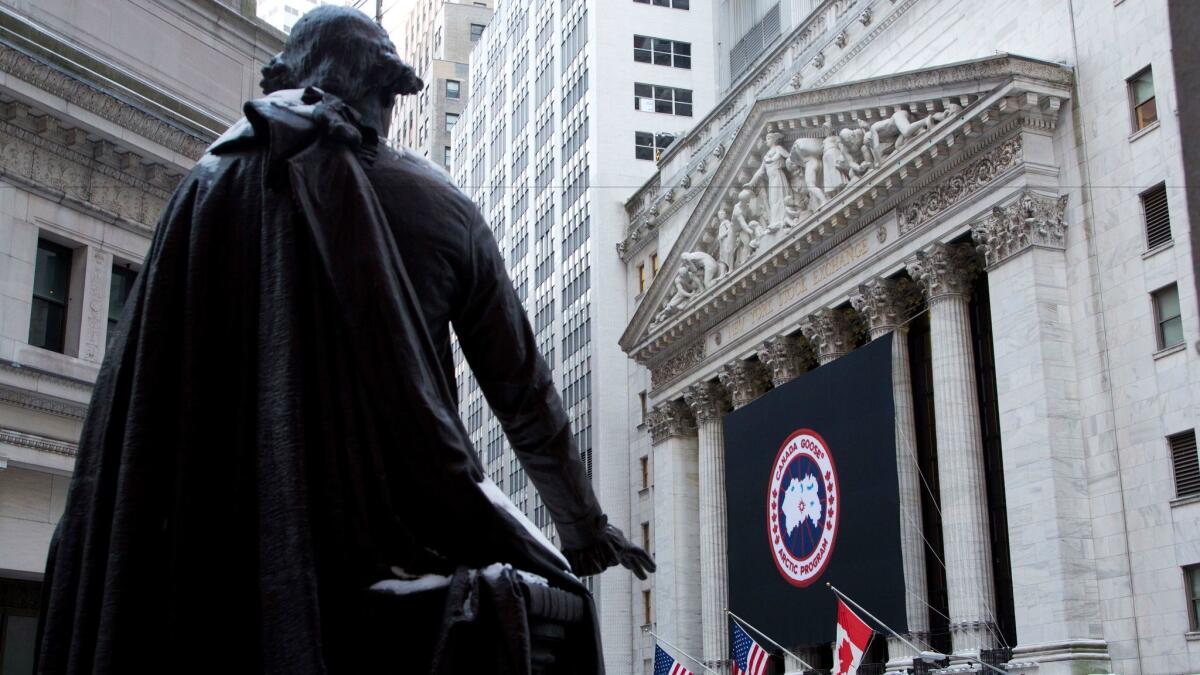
<point>768,637</point>
<point>690,657</point>
<point>916,650</point>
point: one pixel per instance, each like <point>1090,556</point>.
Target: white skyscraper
<point>571,103</point>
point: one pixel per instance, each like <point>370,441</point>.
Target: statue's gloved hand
<point>604,546</point>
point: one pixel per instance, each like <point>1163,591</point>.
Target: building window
<point>646,536</point>
<point>646,608</point>
<point>476,31</point>
<point>1156,215</point>
<point>645,462</point>
<point>1186,463</point>
<point>453,88</point>
<point>654,264</point>
<point>650,146</point>
<point>447,155</point>
<point>670,100</point>
<point>1166,316</point>
<point>641,278</point>
<point>451,120</point>
<point>118,292</point>
<point>18,625</point>
<point>642,404</point>
<point>1191,578</point>
<point>51,284</point>
<point>1141,98</point>
<point>662,52</point>
<point>677,4</point>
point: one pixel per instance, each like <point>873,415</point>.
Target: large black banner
<point>812,495</point>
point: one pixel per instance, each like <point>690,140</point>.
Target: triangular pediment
<point>806,167</point>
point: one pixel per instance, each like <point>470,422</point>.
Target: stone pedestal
<point>946,271</point>
<point>708,403</point>
<point>1054,573</point>
<point>676,609</point>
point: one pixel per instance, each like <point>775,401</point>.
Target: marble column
<point>1055,577</point>
<point>676,610</point>
<point>946,271</point>
<point>831,332</point>
<point>886,304</point>
<point>745,381</point>
<point>709,402</point>
<point>786,357</point>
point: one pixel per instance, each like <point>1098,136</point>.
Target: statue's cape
<point>269,433</point>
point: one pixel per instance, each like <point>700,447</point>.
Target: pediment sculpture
<point>790,183</point>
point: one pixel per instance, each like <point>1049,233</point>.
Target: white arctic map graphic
<point>801,501</point>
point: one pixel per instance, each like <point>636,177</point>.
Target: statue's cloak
<point>270,433</point>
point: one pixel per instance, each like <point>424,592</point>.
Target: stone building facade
<point>436,38</point>
<point>103,108</point>
<point>1000,186</point>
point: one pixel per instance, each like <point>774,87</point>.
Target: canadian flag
<point>853,636</point>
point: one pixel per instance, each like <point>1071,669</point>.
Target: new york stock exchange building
<point>916,318</point>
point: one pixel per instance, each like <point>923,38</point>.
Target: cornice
<point>987,118</point>
<point>92,98</point>
<point>41,403</point>
<point>36,442</point>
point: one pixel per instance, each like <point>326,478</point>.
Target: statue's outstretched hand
<point>609,547</point>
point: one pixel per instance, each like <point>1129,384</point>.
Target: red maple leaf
<point>845,657</point>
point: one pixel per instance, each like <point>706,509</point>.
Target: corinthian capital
<point>707,400</point>
<point>670,419</point>
<point>1031,220</point>
<point>831,332</point>
<point>944,270</point>
<point>745,381</point>
<point>786,357</point>
<point>885,303</point>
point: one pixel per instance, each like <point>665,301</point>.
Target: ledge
<point>1185,500</point>
<point>1142,132</point>
<point>1163,353</point>
<point>1192,636</point>
<point>1158,249</point>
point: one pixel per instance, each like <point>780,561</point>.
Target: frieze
<point>42,404</point>
<point>98,102</point>
<point>676,366</point>
<point>960,186</point>
<point>35,442</point>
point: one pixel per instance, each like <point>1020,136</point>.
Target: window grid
<point>1169,323</point>
<point>662,52</point>
<point>651,146</point>
<point>675,4</point>
<point>1141,99</point>
<point>659,99</point>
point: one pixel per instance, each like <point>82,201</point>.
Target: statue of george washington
<point>274,431</point>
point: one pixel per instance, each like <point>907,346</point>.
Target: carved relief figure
<point>702,266</point>
<point>778,184</point>
<point>855,150</point>
<point>745,219</point>
<point>733,241</point>
<point>835,170</point>
<point>806,153</point>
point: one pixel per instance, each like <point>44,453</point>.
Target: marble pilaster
<point>1054,571</point>
<point>676,524</point>
<point>708,401</point>
<point>946,273</point>
<point>886,304</point>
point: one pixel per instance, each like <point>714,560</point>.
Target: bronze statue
<point>274,430</point>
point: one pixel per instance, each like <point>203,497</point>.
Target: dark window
<point>646,607</point>
<point>476,31</point>
<point>662,52</point>
<point>1157,216</point>
<point>19,605</point>
<point>447,156</point>
<point>670,100</point>
<point>1141,97</point>
<point>645,462</point>
<point>118,293</point>
<point>646,537</point>
<point>453,88</point>
<point>1186,463</point>
<point>451,120</point>
<point>51,283</point>
<point>677,4</point>
<point>1166,316</point>
<point>650,146</point>
<point>1191,578</point>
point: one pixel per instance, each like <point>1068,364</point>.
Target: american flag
<point>748,657</point>
<point>665,665</point>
